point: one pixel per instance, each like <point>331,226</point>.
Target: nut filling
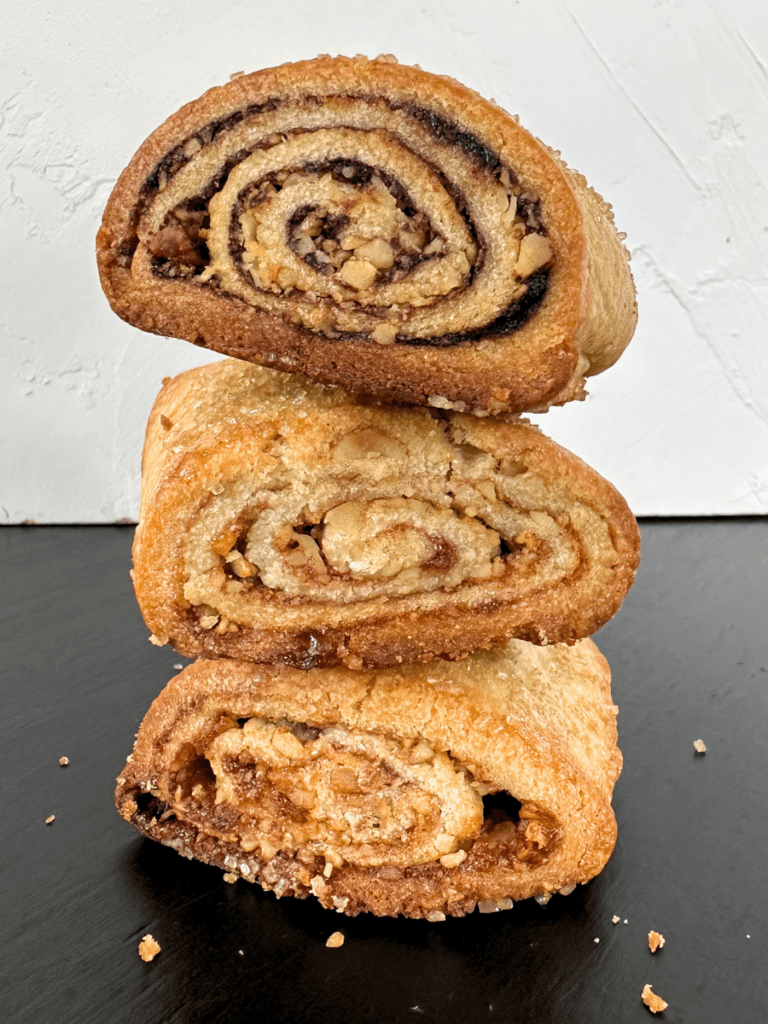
<point>369,522</point>
<point>363,550</point>
<point>349,218</point>
<point>344,798</point>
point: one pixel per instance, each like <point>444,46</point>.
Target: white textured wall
<point>663,105</point>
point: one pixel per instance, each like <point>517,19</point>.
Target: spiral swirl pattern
<point>351,229</point>
<point>282,520</point>
<point>309,216</point>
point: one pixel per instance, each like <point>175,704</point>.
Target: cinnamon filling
<point>346,798</point>
<point>391,543</point>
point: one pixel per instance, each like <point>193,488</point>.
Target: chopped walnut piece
<point>378,252</point>
<point>63,761</point>
<point>358,273</point>
<point>287,744</point>
<point>421,752</point>
<point>655,941</point>
<point>335,940</point>
<point>452,860</point>
<point>699,746</point>
<point>535,252</point>
<point>128,809</point>
<point>173,243</point>
<point>148,948</point>
<point>384,334</point>
<point>654,1003</point>
<point>51,818</point>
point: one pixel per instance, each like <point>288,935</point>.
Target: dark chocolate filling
<point>450,134</point>
<point>444,131</point>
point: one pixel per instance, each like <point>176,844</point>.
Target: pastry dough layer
<point>392,792</point>
<point>374,226</point>
<point>282,520</point>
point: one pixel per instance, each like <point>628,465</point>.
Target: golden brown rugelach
<point>423,790</point>
<point>282,520</point>
<point>374,226</point>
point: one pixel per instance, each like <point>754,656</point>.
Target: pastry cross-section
<point>282,520</point>
<point>374,226</point>
<point>425,790</point>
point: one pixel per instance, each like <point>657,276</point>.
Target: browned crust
<point>538,722</point>
<point>222,417</point>
<point>586,320</point>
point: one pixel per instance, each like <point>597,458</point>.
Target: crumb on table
<point>615,919</point>
<point>230,876</point>
<point>655,941</point>
<point>63,761</point>
<point>654,1003</point>
<point>148,948</point>
<point>50,818</point>
<point>699,746</point>
<point>335,940</point>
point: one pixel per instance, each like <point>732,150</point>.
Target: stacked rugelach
<point>387,576</point>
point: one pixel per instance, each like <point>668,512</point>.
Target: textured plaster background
<point>663,105</point>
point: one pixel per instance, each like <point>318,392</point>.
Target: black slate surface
<point>689,653</point>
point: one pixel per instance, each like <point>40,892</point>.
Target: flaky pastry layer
<point>282,520</point>
<point>374,226</point>
<point>424,790</point>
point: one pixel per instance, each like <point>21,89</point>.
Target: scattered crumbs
<point>50,818</point>
<point>626,921</point>
<point>241,952</point>
<point>230,877</point>
<point>166,380</point>
<point>148,948</point>
<point>178,667</point>
<point>749,936</point>
<point>654,1003</point>
<point>236,74</point>
<point>699,746</point>
<point>63,761</point>
<point>615,919</point>
<point>335,940</point>
<point>597,940</point>
<point>655,941</point>
<point>157,640</point>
